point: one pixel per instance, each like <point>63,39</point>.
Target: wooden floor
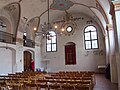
<point>104,84</point>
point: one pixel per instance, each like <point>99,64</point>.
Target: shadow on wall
<point>107,72</point>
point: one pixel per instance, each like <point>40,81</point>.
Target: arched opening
<point>7,26</point>
<point>7,65</point>
<point>6,34</point>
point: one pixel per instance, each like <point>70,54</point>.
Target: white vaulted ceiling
<point>96,9</point>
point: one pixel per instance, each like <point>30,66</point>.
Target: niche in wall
<point>70,53</point>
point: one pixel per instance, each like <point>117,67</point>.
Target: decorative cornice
<point>117,5</point>
<point>112,10</point>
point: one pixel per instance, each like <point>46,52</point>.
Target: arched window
<point>90,37</point>
<point>51,42</point>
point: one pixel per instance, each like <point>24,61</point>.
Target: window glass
<point>48,47</point>
<point>51,42</point>
<point>88,44</point>
<point>87,29</point>
<point>91,38</point>
<point>24,33</point>
<point>54,39</point>
<point>94,44</point>
<point>69,29</point>
<point>48,41</point>
<point>93,35</point>
<point>52,33</point>
<point>54,47</point>
<point>87,36</point>
<point>92,28</point>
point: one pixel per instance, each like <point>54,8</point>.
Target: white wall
<point>37,57</point>
<point>107,49</point>
<point>112,57</point>
<point>86,59</point>
<point>12,58</point>
<point>12,55</point>
<point>6,61</point>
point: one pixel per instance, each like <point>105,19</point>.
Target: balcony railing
<point>7,37</point>
<point>29,43</point>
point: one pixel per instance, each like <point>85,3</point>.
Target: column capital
<point>112,9</point>
<point>109,27</point>
<point>116,5</point>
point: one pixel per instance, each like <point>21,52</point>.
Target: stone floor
<point>104,84</point>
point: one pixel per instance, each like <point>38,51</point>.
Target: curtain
<point>70,55</point>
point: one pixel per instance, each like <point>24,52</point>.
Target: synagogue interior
<point>59,44</point>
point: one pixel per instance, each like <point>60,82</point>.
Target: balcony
<point>7,37</point>
<point>29,43</point>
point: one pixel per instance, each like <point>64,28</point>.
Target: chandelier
<point>46,27</point>
<point>66,26</point>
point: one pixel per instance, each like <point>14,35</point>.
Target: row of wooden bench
<point>28,80</point>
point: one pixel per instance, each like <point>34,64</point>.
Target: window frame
<point>51,44</point>
<point>24,38</point>
<point>69,27</point>
<point>91,38</point>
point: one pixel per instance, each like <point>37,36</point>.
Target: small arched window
<point>51,42</point>
<point>90,37</point>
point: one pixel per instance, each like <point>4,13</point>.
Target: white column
<point>112,56</point>
<point>117,15</point>
<point>19,58</point>
<point>107,48</point>
<point>38,58</point>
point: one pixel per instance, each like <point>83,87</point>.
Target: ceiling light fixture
<point>55,26</point>
<point>35,28</point>
<point>46,27</point>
